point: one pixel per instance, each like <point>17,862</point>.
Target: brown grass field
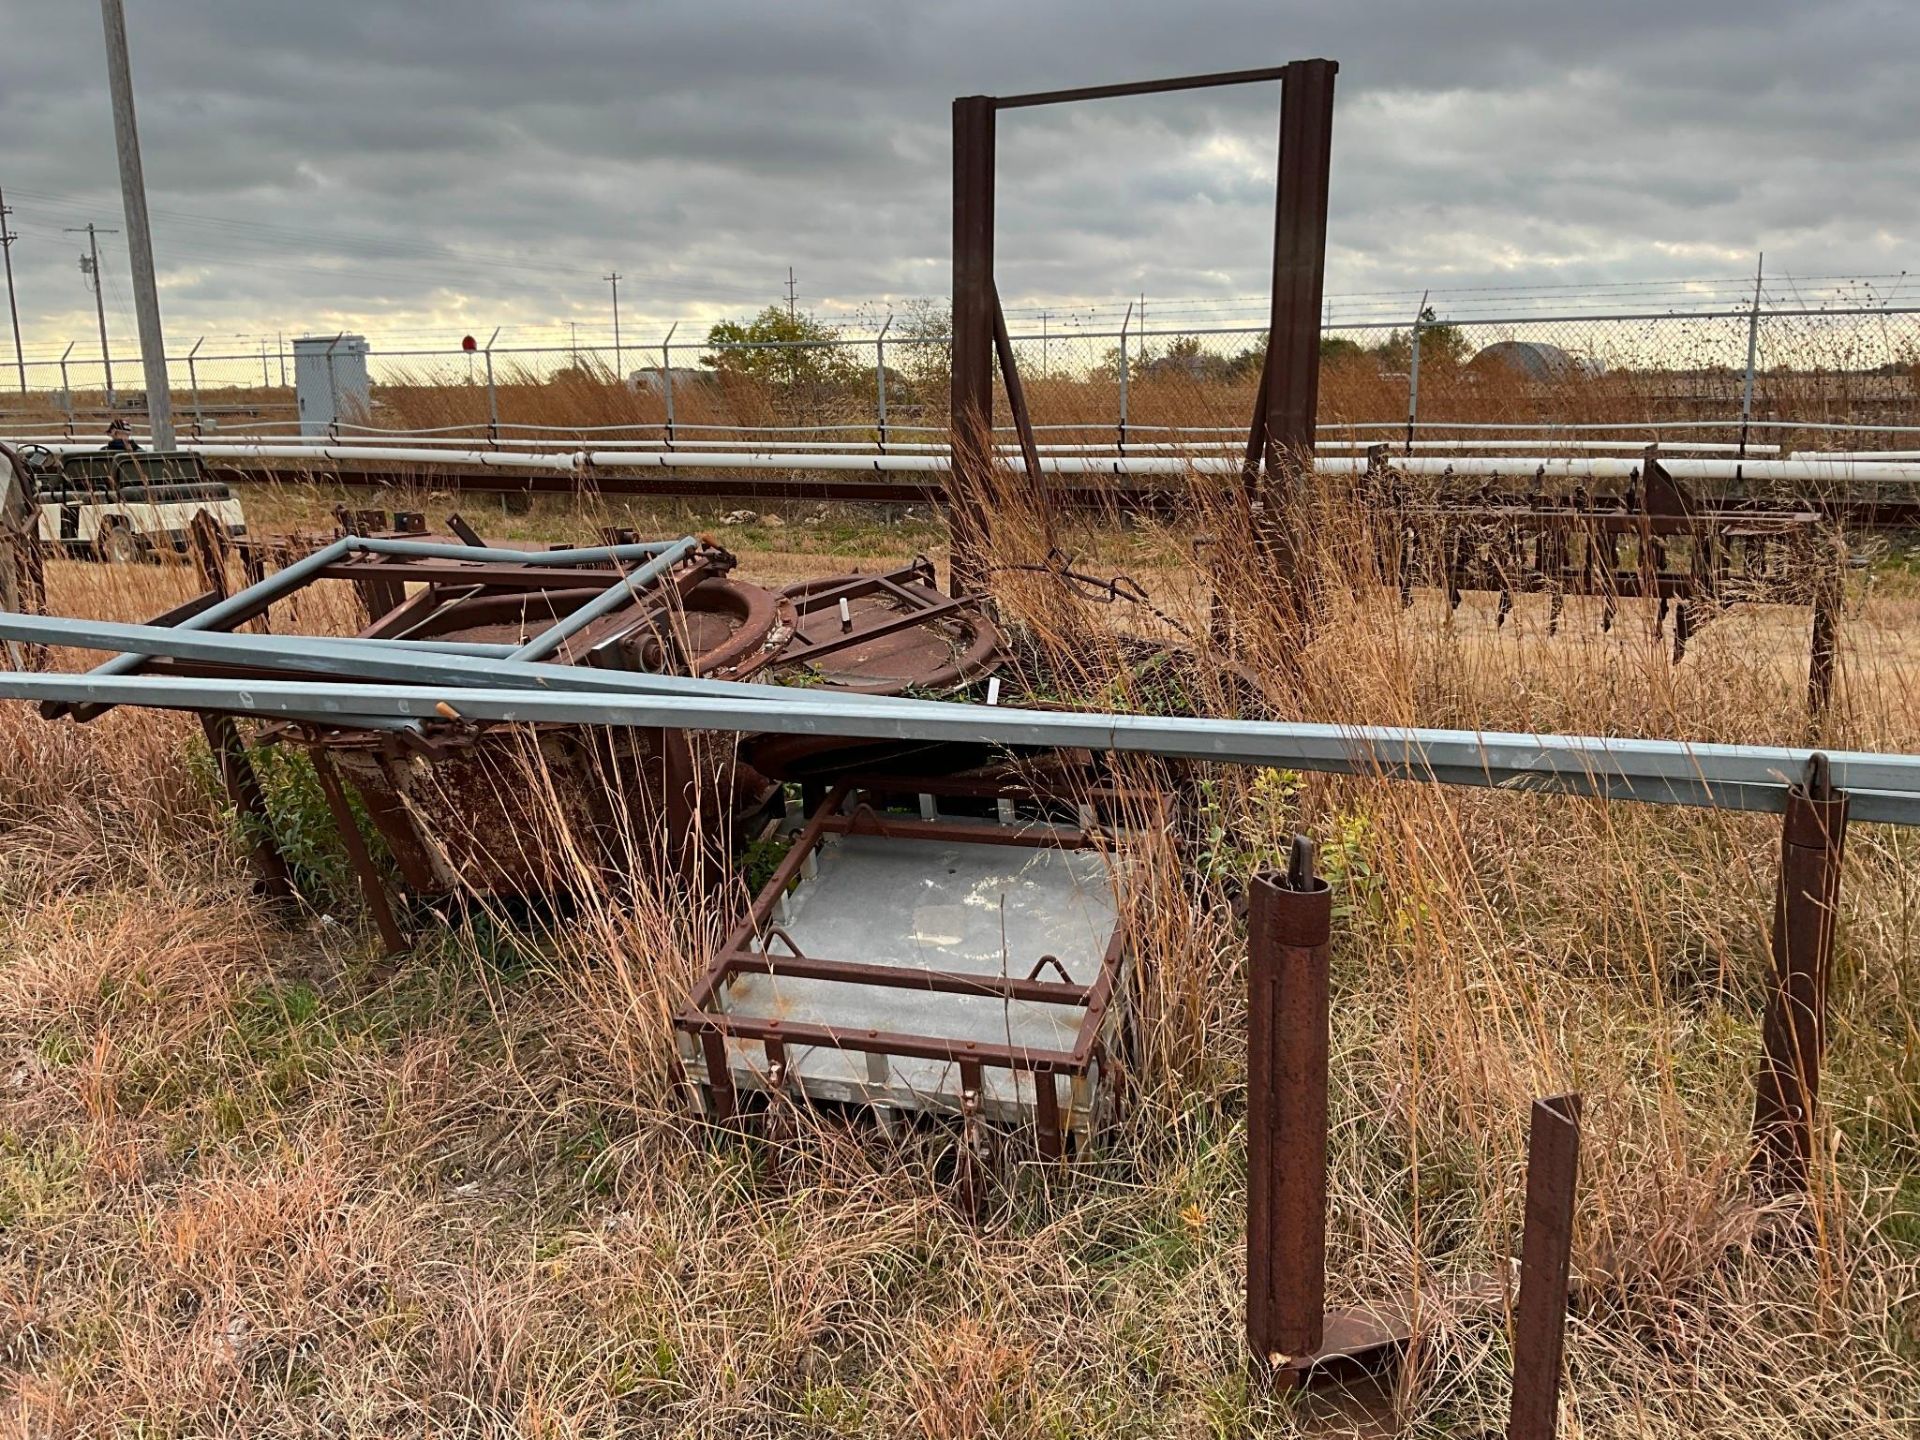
<point>255,1182</point>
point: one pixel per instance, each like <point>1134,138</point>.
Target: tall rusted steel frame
<point>1282,433</point>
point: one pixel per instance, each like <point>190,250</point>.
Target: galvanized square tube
<point>1288,927</point>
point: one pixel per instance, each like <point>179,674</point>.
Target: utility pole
<point>613,279</point>
<point>791,292</point>
<point>13,305</point>
<point>90,265</point>
<point>133,195</point>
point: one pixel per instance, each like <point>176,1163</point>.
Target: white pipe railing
<point>1807,470</point>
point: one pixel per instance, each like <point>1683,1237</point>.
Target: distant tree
<point>919,347</point>
<point>782,348</point>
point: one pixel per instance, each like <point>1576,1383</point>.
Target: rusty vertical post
<point>970,419</point>
<point>1546,1250</point>
<point>1794,1031</point>
<point>243,790</point>
<point>372,884</point>
<point>1823,644</point>
<point>1288,928</point>
<point>1292,389</point>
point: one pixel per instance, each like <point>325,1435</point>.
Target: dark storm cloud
<point>453,165</point>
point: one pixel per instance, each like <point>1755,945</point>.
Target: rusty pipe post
<point>1794,1032</point>
<point>1288,928</point>
<point>1546,1250</point>
<point>1823,645</point>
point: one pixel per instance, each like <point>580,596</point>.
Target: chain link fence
<point>1767,378</point>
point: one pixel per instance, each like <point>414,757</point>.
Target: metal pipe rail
<point>1884,787</point>
<point>1207,439</point>
<point>1805,469</point>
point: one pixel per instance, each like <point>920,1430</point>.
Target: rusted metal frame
<point>759,914</point>
<point>976,1157</point>
<point>981,832</point>
<point>1788,522</point>
<point>1793,1032</point>
<point>970,413</point>
<point>1050,1132</point>
<point>1299,264</point>
<point>802,649</point>
<point>921,588</point>
<point>888,1042</point>
<point>895,977</point>
<point>807,599</point>
<point>379,594</point>
<point>407,614</point>
<point>187,609</point>
<point>726,1100</point>
<point>1546,1252</point>
<point>621,626</point>
<point>1017,403</point>
<point>1289,930</point>
<point>1141,87</point>
<point>372,884</point>
<point>242,783</point>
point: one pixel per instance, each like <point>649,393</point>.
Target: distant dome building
<point>1534,360</point>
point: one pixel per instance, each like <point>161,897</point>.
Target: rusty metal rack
<point>991,962</point>
<point>1655,540</point>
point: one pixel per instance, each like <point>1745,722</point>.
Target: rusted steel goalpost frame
<point>1546,1251</point>
<point>1794,1031</point>
<point>1283,429</point>
<point>1289,925</point>
<point>1290,395</point>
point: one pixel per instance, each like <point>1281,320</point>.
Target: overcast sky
<point>439,166</point>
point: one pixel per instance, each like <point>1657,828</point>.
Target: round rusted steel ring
<point>924,656</point>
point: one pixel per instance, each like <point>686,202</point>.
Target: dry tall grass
<point>252,1183</point>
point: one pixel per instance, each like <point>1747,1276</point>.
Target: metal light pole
<point>133,192</point>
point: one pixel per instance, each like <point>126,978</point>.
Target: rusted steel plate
<point>887,634</point>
